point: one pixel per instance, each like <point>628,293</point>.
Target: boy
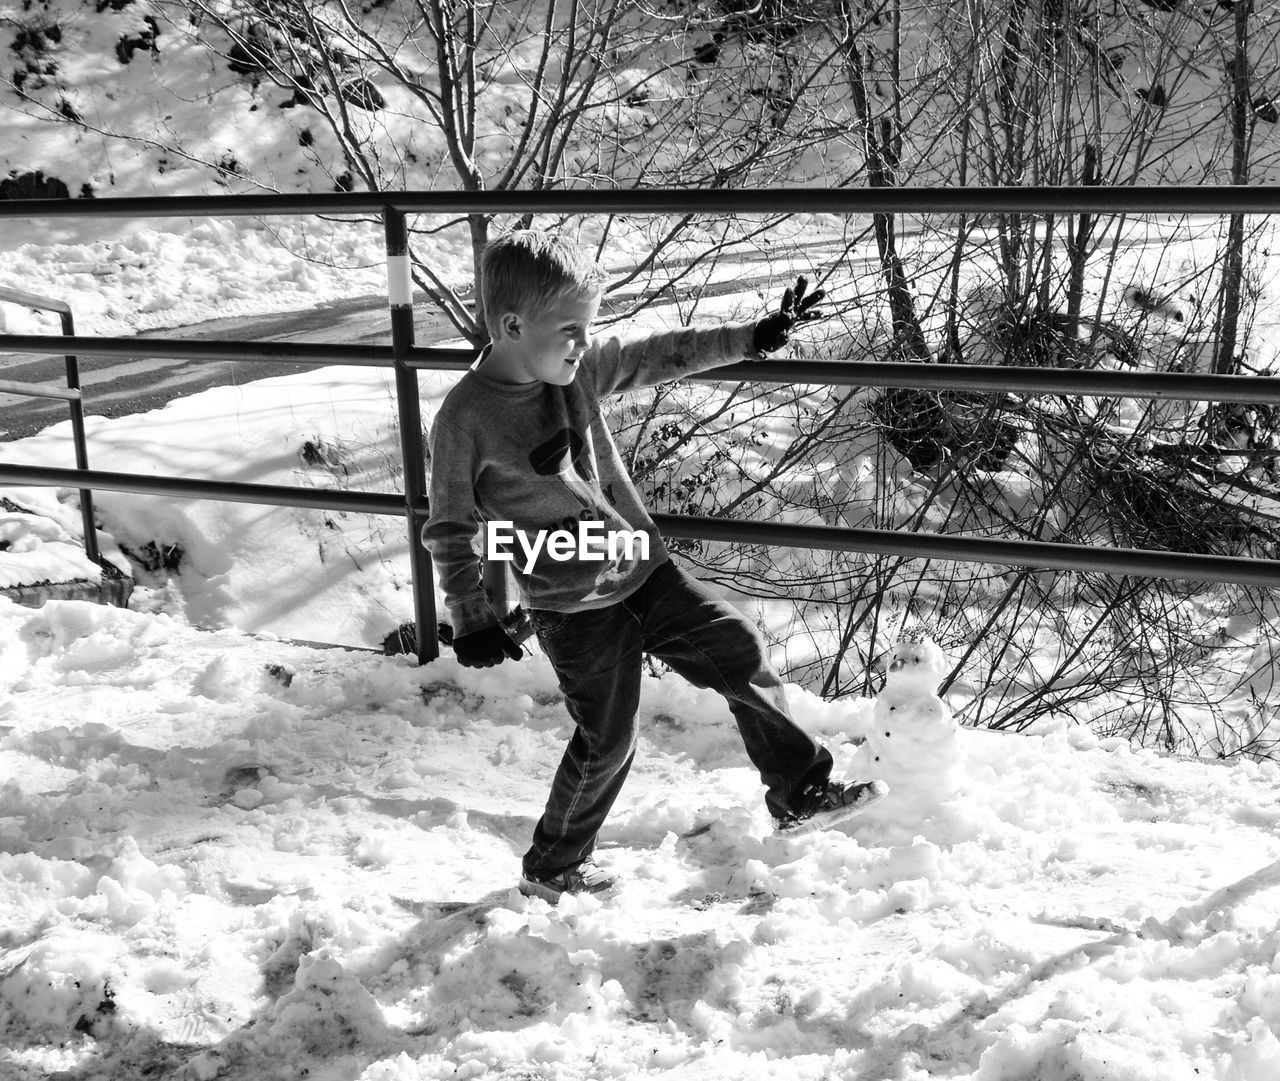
<point>519,446</point>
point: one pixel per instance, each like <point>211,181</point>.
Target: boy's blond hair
<point>528,272</point>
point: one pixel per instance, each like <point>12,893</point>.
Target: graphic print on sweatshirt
<point>562,456</point>
<point>558,454</point>
<point>569,455</point>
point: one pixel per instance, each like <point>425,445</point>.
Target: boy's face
<point>547,347</point>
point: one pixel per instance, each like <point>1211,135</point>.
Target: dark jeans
<point>597,657</point>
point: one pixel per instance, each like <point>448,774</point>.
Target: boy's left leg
<point>597,658</point>
<point>709,643</point>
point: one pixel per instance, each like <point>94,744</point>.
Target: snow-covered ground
<point>225,854</point>
<point>126,278</point>
<point>230,856</point>
<point>307,574</point>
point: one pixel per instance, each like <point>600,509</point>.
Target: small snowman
<point>914,743</point>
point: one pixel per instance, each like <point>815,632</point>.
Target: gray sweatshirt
<point>540,457</point>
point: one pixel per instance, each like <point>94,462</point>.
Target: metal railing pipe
<point>191,488</point>
<point>204,349</point>
<point>31,300</point>
<point>78,437</point>
<point>72,396</point>
<point>966,549</point>
<point>954,547</point>
<point>1031,199</point>
<point>412,454</point>
<point>441,358</point>
<point>39,390</point>
<point>993,378</point>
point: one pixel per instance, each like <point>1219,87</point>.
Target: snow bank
<point>225,856</point>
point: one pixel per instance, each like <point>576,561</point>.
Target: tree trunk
<point>1013,114</point>
<point>881,151</point>
<point>1079,236</point>
<point>1225,361</point>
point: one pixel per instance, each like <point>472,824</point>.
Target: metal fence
<point>407,359</point>
<point>71,394</point>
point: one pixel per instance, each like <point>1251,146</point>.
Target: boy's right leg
<point>711,644</point>
<point>597,659</point>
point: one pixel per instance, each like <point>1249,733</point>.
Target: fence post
<point>400,299</point>
<point>82,449</point>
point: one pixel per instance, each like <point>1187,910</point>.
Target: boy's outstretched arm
<point>663,357</point>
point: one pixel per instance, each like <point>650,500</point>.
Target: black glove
<point>518,624</point>
<point>773,331</point>
<point>485,648</point>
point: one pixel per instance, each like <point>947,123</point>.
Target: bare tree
<point>517,95</point>
<point>1045,93</point>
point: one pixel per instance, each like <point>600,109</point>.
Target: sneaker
<point>826,805</point>
<point>584,877</point>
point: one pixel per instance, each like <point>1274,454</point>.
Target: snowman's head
<point>916,660</point>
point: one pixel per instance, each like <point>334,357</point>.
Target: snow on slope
<point>183,118</point>
<point>225,856</point>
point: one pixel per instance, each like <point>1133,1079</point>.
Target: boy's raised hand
<point>774,331</point>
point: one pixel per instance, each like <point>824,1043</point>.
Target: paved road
<point>118,386</point>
